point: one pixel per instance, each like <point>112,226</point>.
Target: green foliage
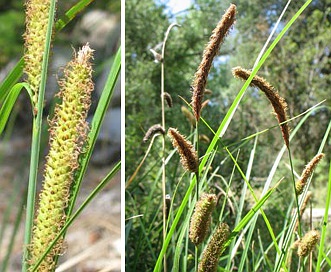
<point>286,68</point>
<point>11,29</point>
<point>299,67</point>
<point>9,102</point>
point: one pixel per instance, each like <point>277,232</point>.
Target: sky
<point>176,5</point>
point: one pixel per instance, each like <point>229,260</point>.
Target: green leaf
<point>11,79</point>
<point>9,102</point>
<point>71,14</point>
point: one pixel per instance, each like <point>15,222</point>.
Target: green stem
<point>196,258</point>
<point>197,150</point>
<point>326,211</point>
<point>163,154</point>
<point>35,145</point>
<point>196,255</point>
<point>296,195</point>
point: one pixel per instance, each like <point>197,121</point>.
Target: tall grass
<point>271,242</point>
<point>10,89</point>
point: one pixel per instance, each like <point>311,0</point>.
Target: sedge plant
<point>71,138</point>
<point>202,235</point>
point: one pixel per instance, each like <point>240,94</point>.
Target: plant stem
<point>34,160</point>
<point>163,156</point>
<point>163,142</point>
<point>164,199</point>
<point>35,145</point>
<point>196,258</point>
<point>197,150</point>
<point>296,195</point>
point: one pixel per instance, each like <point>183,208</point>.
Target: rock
<point>60,56</point>
<point>108,147</point>
<point>101,29</point>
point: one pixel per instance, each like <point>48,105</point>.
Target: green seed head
<point>37,12</point>
<point>308,242</point>
<point>299,186</point>
<point>67,136</point>
<point>214,249</point>
<point>201,218</point>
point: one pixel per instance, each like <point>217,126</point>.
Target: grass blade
<point>11,79</point>
<point>250,214</point>
<point>286,238</point>
<point>71,14</point>
<point>326,212</point>
<point>9,103</point>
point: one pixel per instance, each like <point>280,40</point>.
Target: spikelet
<point>189,116</point>
<point>37,17</point>
<point>188,155</point>
<point>212,48</point>
<point>295,245</point>
<point>205,103</point>
<point>278,103</point>
<point>214,249</point>
<point>309,169</point>
<point>308,242</point>
<point>67,136</point>
<point>303,207</point>
<point>168,99</point>
<point>204,138</point>
<point>152,131</point>
<point>208,91</point>
<point>200,220</point>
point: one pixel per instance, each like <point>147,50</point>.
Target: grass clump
<point>227,199</point>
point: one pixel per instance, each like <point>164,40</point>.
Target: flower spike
<point>67,137</point>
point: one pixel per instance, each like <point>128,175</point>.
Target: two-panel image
<point>164,135</point>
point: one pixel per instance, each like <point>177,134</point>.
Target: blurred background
<point>93,242</point>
